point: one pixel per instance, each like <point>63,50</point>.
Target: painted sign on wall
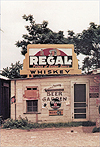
<point>55,103</point>
<point>55,112</point>
<point>50,59</point>
<point>94,88</point>
<point>54,92</point>
<point>94,92</point>
<point>55,95</point>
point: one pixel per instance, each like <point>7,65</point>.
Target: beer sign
<point>55,104</point>
<point>50,59</point>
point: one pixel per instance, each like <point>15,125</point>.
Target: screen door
<point>79,101</point>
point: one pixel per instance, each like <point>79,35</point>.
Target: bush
<point>88,123</point>
<point>95,129</point>
<point>23,123</point>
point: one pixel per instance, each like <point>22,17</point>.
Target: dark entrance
<point>79,101</point>
<point>4,98</point>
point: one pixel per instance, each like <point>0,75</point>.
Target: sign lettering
<point>45,60</point>
<point>54,93</point>
<point>49,72</point>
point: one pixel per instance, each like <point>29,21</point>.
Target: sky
<point>61,15</point>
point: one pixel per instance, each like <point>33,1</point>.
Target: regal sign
<point>50,59</point>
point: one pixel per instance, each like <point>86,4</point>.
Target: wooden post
<point>36,117</point>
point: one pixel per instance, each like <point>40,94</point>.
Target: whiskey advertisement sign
<point>50,60</point>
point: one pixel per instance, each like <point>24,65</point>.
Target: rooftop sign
<point>50,59</point>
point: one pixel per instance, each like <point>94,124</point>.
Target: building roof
<point>48,76</point>
<point>4,78</point>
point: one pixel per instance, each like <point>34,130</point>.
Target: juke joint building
<point>55,90</point>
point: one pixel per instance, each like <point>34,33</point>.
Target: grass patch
<point>23,123</point>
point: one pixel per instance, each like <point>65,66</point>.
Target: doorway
<point>80,102</point>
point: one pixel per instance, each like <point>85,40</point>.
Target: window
<point>32,105</point>
<point>34,88</point>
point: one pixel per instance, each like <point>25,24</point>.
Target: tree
<point>90,40</point>
<point>74,39</point>
<point>87,43</point>
<point>39,34</point>
<point>13,71</point>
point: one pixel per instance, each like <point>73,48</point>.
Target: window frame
<point>33,111</point>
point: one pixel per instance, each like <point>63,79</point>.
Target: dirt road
<point>68,137</point>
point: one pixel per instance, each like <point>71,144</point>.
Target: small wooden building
<point>54,90</point>
<point>56,99</point>
<point>4,97</point>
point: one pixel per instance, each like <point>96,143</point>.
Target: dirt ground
<point>68,137</point>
